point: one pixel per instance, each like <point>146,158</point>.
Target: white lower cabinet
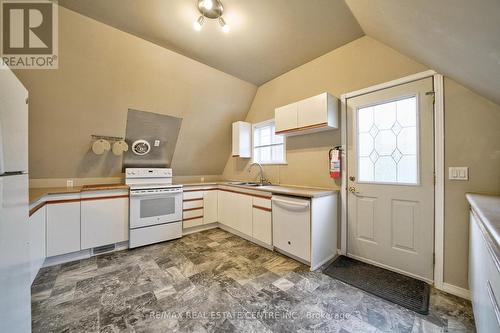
<point>192,208</point>
<point>104,218</point>
<point>37,225</point>
<point>242,213</point>
<point>224,208</point>
<point>484,281</point>
<point>210,207</point>
<point>63,227</point>
<point>235,210</point>
<point>262,221</point>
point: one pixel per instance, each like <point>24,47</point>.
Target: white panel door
<point>63,228</point>
<point>104,222</point>
<point>391,178</point>
<point>285,117</point>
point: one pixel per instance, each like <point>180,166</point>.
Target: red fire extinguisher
<point>335,157</point>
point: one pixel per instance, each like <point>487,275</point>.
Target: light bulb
<point>208,4</point>
<point>223,25</point>
<point>198,23</point>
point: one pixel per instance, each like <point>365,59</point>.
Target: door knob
<point>352,178</point>
<point>352,189</point>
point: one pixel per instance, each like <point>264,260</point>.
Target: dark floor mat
<point>411,293</point>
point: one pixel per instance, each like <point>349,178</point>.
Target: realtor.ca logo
<point>29,38</point>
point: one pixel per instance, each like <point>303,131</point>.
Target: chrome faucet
<point>263,180</point>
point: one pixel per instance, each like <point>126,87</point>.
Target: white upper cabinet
<point>313,114</point>
<point>242,139</point>
<point>285,118</point>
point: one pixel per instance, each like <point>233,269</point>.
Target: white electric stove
<point>155,206</point>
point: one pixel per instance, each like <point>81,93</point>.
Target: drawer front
<point>193,213</point>
<point>192,195</point>
<point>192,223</point>
<point>192,204</point>
<point>261,202</point>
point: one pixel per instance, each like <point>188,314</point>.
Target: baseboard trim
<point>246,237</point>
<point>328,260</point>
<point>457,291</point>
<point>305,262</point>
<point>79,255</point>
<point>199,228</point>
<point>68,257</point>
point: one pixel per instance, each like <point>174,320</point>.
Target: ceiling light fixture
<point>208,4</point>
<point>199,23</point>
<point>211,9</point>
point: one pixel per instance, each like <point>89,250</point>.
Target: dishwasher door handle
<point>289,203</point>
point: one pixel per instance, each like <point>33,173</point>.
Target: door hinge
<point>433,94</point>
<point>433,259</point>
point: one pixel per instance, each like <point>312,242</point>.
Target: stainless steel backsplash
<point>150,127</point>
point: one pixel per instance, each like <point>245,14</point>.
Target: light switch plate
<point>458,173</point>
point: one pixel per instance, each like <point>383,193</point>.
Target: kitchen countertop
<point>300,191</point>
<point>487,209</point>
<point>310,192</point>
<point>36,193</point>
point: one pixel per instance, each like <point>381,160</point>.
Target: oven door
<point>154,208</point>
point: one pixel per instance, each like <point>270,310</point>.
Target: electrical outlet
<point>69,183</point>
<point>157,143</point>
<point>458,173</point>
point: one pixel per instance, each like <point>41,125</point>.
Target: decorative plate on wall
<point>141,147</point>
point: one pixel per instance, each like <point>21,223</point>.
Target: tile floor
<point>217,282</point>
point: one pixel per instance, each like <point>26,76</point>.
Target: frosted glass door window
<point>387,137</point>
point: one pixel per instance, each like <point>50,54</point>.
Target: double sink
<point>253,184</point>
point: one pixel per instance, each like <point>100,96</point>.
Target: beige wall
<point>472,138</point>
<point>103,72</point>
<point>359,64</point>
<point>472,133</point>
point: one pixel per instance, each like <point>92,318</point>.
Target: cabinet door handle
<point>493,300</point>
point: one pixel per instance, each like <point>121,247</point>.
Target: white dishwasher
<point>292,226</point>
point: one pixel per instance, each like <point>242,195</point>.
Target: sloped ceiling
<point>267,37</point>
<point>458,38</point>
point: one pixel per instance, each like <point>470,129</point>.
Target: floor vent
<point>103,249</point>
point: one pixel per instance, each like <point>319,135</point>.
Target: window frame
<point>263,124</point>
<point>418,148</point>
